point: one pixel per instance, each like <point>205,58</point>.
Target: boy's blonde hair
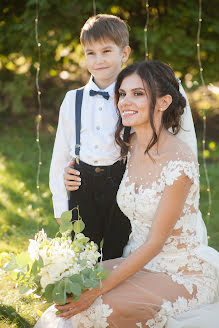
<point>104,26</point>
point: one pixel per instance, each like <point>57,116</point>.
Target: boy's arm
<point>60,159</point>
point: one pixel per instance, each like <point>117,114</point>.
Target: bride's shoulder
<point>177,150</point>
<point>178,159</point>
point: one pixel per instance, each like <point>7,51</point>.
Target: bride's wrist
<point>104,288</point>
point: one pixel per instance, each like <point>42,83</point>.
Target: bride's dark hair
<point>160,80</point>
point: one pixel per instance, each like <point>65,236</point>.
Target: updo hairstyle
<point>159,80</point>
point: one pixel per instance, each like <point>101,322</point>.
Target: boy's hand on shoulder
<point>71,177</point>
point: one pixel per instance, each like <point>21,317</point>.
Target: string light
<point>203,112</point>
<point>94,7</point>
<point>146,30</point>
<point>39,116</point>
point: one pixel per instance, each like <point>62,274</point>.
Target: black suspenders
<point>78,105</point>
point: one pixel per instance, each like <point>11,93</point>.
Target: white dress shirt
<point>98,147</point>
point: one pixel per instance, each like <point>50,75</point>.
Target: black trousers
<point>96,198</point>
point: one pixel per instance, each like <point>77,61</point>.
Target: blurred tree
<point>171,38</point>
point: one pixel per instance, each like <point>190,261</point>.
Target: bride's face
<point>133,101</point>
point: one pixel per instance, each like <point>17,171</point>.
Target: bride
<point>167,269</point>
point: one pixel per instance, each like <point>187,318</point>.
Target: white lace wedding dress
<point>183,277</point>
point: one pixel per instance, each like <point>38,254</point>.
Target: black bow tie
<point>101,93</point>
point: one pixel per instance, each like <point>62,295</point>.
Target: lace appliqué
<point>95,316</point>
<point>174,170</point>
<point>169,309</point>
<point>178,258</point>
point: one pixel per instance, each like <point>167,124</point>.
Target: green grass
<point>212,222</point>
<point>23,211</point>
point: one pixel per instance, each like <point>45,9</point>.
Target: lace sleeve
<point>175,168</point>
<point>184,166</point>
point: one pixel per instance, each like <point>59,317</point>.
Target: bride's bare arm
<point>166,216</point>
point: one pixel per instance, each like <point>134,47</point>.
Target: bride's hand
<point>72,308</point>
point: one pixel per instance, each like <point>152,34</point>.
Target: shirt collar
<point>92,85</point>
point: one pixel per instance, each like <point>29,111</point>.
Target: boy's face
<point>104,60</point>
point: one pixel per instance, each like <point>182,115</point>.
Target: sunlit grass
<point>16,310</point>
<point>23,212</point>
<point>212,222</point>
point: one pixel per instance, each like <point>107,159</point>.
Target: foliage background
<point>171,38</point>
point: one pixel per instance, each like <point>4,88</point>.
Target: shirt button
<point>100,109</point>
<point>97,127</point>
<point>96,146</point>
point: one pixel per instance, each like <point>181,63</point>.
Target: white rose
<point>33,249</point>
<point>56,269</point>
<point>45,280</point>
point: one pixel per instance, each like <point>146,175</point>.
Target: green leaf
<point>66,216</point>
<point>95,283</point>
<point>77,246</point>
<point>41,264</point>
<point>36,267</point>
<point>76,278</point>
<point>101,243</point>
<point>88,283</point>
<point>83,240</point>
<point>82,262</point>
<point>66,221</point>
<point>75,298</point>
<point>93,274</point>
<point>58,312</point>
<point>64,228</point>
<point>78,226</point>
<point>59,294</point>
<point>103,275</point>
<point>49,292</point>
<point>23,289</point>
<point>80,236</point>
<point>100,266</point>
<point>23,259</point>
<point>10,266</point>
<point>74,288</point>
<point>86,272</point>
<point>64,287</point>
<point>13,275</point>
<point>70,287</point>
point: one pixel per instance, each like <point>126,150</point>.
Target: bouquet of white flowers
<point>59,267</point>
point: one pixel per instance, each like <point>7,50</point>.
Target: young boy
<point>105,41</point>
